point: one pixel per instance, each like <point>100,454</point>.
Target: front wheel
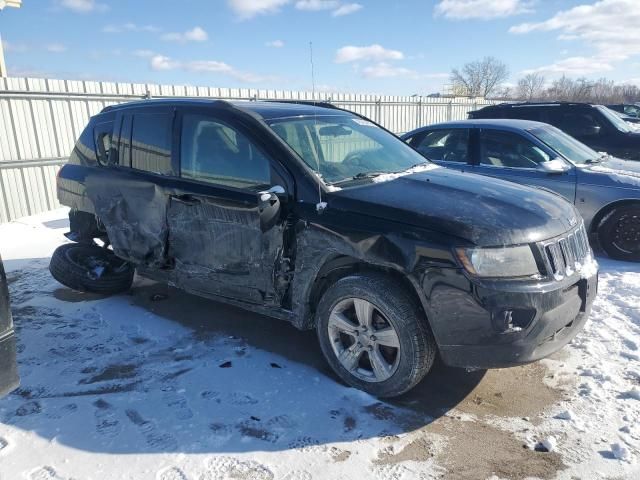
<point>374,335</point>
<point>620,233</point>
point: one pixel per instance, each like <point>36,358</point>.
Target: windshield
<point>342,147</point>
<point>619,123</point>
<point>567,146</point>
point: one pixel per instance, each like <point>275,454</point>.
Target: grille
<point>566,255</point>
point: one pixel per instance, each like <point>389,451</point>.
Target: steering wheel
<point>354,158</point>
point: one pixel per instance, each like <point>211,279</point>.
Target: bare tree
<point>480,78</point>
<point>531,87</point>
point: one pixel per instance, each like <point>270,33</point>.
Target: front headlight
<point>496,262</point>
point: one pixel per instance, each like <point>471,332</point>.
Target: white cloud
<point>250,8</point>
<point>161,62</point>
<point>83,6</point>
<point>196,34</point>
<point>372,52</point>
<point>164,63</point>
<point>129,27</point>
<point>347,9</point>
<point>55,48</point>
<point>609,26</point>
<point>317,5</point>
<point>573,66</point>
<point>275,44</point>
<point>481,9</point>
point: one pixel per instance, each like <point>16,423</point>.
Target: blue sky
<point>377,46</point>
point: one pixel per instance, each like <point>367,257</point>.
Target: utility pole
<point>6,3</point>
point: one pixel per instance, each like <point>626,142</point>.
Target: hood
<point>614,172</point>
<point>483,210</point>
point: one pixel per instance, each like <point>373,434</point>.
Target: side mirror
<point>269,194</point>
<point>555,166</point>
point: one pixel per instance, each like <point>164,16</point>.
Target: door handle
<point>187,200</point>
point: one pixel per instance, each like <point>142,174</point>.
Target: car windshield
<point>567,146</point>
<point>343,148</point>
<point>618,123</point>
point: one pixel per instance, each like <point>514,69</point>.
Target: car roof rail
<point>311,103</point>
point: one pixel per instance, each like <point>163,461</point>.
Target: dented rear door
<point>129,194</point>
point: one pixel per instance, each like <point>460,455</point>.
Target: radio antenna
<point>320,206</point>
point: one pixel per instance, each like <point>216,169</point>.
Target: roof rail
<point>310,103</point>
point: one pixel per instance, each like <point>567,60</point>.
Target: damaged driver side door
<point>225,213</point>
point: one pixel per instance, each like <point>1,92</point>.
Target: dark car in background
<point>594,125</point>
<point>605,190</point>
<point>8,369</point>
<point>318,216</point>
<point>626,108</point>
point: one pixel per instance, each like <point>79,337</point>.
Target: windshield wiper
<point>603,156</point>
<point>359,176</point>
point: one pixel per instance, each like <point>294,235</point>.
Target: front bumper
<point>9,379</point>
<point>468,335</point>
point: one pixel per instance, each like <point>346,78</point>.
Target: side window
<point>123,142</point>
<point>632,111</point>
<point>450,145</point>
<point>214,152</point>
<point>151,143</point>
<point>505,149</point>
<point>102,134</point>
<point>574,122</point>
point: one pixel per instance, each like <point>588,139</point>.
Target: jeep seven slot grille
<point>567,254</point>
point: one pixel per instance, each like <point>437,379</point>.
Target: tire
<point>389,306</point>
<point>619,233</point>
<point>78,266</point>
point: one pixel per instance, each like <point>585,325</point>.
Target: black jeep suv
<point>594,125</point>
<point>320,217</point>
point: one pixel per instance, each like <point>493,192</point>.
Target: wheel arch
<point>602,214</point>
<point>336,267</point>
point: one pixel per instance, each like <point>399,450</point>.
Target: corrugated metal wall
<point>40,120</point>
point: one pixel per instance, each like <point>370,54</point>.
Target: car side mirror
<point>555,166</point>
<point>269,194</point>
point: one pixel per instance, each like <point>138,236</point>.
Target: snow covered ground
<point>158,384</point>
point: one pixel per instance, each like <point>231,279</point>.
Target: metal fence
<point>40,120</point>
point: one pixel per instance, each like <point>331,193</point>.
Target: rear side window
<point>102,134</point>
<point>151,143</point>
<point>450,145</point>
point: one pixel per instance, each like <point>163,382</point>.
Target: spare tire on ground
<point>90,268</point>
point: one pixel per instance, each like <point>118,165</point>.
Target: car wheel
<point>90,268</point>
<point>374,335</point>
<point>620,233</point>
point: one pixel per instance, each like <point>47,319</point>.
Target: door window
<point>102,137</point>
<point>212,151</point>
<point>151,143</point>
<point>451,145</point>
<point>576,123</point>
<point>505,149</point>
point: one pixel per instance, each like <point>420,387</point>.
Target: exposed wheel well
<point>602,214</point>
<point>341,266</point>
